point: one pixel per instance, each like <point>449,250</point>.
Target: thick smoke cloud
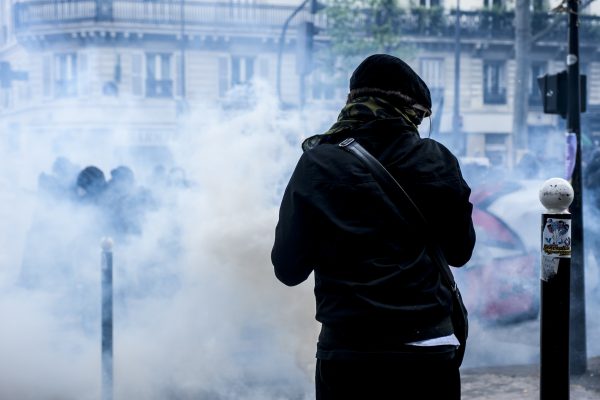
<point>198,312</point>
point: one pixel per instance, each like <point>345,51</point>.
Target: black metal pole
<point>578,360</point>
<point>107,320</point>
<point>554,314</point>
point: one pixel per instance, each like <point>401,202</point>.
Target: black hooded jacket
<point>375,286</point>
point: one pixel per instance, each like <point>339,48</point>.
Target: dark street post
<point>107,319</point>
<point>578,360</point>
<point>556,195</point>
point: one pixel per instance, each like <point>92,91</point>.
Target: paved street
<point>522,383</point>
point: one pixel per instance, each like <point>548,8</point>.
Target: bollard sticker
<point>557,237</point>
<point>549,267</point>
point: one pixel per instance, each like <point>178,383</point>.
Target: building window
<point>538,69</point>
<point>65,75</point>
<point>234,71</point>
<point>432,72</point>
<point>494,82</point>
<point>159,81</point>
<point>242,70</point>
<point>430,3</point>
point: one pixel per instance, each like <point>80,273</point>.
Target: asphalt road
<point>521,382</point>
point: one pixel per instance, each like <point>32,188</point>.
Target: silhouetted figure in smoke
<point>62,229</point>
<point>59,225</point>
<point>125,202</point>
<point>118,201</point>
<point>127,206</point>
<point>91,185</point>
<point>61,182</point>
<point>62,247</point>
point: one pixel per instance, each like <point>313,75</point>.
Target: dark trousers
<point>383,380</point>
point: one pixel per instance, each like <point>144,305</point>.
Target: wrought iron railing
<point>151,12</point>
<point>485,24</point>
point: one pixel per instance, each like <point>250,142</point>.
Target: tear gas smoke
<point>198,312</point>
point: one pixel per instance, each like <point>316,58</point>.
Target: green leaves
<point>356,29</point>
<point>359,27</point>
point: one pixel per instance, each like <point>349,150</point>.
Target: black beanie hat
<point>386,72</point>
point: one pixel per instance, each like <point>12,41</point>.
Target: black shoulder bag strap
<point>393,187</point>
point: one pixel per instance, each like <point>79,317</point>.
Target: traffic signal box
<point>555,93</point>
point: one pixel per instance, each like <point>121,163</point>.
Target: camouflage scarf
<point>360,111</point>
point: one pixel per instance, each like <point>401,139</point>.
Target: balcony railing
<point>483,24</point>
<point>150,12</point>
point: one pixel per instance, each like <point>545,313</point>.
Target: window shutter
<point>84,78</point>
<point>47,76</point>
<point>136,75</point>
<point>178,76</point>
<point>223,76</point>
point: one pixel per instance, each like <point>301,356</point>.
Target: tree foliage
<point>357,28</point>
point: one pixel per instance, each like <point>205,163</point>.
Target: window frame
<point>494,93</point>
<point>65,74</point>
<point>159,72</point>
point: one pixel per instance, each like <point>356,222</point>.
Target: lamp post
<point>282,43</point>
<point>578,363</point>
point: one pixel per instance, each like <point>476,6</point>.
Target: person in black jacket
<point>385,312</point>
